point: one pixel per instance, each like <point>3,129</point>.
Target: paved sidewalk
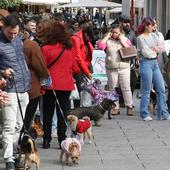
<point>123,143</point>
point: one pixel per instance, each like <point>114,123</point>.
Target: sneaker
<point>10,166</point>
<point>167,118</point>
<point>147,118</point>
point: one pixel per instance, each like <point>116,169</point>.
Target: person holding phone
<point>118,71</point>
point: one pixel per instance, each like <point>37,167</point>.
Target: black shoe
<point>10,166</point>
<point>19,164</point>
<point>46,145</point>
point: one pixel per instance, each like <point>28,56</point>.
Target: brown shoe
<point>130,111</point>
<point>115,111</point>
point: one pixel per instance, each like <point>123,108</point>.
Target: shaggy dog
<point>70,151</point>
<point>27,146</point>
<point>94,112</point>
<point>82,127</point>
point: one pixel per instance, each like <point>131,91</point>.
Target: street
<point>123,143</point>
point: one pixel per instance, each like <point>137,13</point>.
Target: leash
<point>65,121</point>
<point>23,130</point>
<point>102,107</point>
<point>18,100</point>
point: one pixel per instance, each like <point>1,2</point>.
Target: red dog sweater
<point>82,125</point>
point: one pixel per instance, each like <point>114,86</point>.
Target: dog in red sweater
<point>82,127</point>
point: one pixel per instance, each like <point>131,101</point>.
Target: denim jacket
<point>12,56</point>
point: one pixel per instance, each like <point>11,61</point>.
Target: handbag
<point>148,53</point>
<point>128,53</point>
<point>74,95</point>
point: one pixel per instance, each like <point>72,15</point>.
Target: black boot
<point>46,144</point>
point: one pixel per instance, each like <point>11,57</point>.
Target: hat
<point>124,18</point>
<point>4,12</point>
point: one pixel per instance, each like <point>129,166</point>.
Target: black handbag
<point>128,53</point>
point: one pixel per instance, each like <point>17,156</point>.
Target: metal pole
<point>132,14</point>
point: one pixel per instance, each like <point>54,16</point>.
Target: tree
<point>9,3</point>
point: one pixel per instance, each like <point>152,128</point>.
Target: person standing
<point>149,47</point>
<point>39,71</point>
<point>117,71</point>
<point>83,50</point>
<point>12,56</point>
<point>57,43</point>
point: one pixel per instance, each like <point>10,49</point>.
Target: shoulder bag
<point>128,53</point>
<point>47,82</point>
<point>56,59</point>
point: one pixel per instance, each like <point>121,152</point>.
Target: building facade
<point>161,10</point>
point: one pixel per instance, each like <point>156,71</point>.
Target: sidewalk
<point>123,143</point>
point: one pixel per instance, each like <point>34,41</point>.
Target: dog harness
<point>67,142</point>
<point>83,125</point>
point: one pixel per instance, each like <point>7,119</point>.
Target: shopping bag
<point>74,93</point>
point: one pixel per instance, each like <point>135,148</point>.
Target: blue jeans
<point>150,73</point>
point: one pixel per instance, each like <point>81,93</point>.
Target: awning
<point>46,2</point>
<point>92,3</point>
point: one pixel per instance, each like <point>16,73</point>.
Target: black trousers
<point>30,112</point>
<point>49,104</point>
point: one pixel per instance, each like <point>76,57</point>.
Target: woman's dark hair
<point>51,32</point>
<point>114,26</point>
<point>145,22</point>
<point>89,31</point>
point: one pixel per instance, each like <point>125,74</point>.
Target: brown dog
<point>82,127</point>
<point>29,149</point>
<point>70,151</point>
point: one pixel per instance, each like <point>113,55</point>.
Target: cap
<point>124,18</point>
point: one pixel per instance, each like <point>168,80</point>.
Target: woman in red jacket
<point>56,39</point>
<point>83,50</point>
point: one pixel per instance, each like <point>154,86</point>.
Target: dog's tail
<point>33,149</point>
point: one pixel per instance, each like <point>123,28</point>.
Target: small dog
<point>94,112</point>
<point>37,128</point>
<point>81,126</point>
<point>27,146</point>
<point>153,101</point>
<point>70,151</point>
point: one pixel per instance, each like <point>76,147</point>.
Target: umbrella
<point>92,3</point>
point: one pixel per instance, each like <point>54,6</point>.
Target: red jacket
<point>62,71</point>
<point>80,49</point>
<point>83,125</point>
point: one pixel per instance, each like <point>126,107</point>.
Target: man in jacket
<point>12,56</point>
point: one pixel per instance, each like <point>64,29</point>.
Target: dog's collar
<point>102,107</point>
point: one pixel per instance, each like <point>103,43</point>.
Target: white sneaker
<point>167,118</point>
<point>147,118</point>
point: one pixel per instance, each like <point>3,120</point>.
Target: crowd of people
<point>43,60</point>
